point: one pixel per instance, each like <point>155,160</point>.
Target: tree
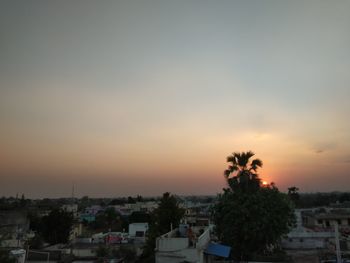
<point>166,215</point>
<point>23,201</point>
<point>249,216</point>
<point>139,217</point>
<point>36,242</point>
<point>131,200</point>
<point>294,195</point>
<point>128,254</point>
<point>102,251</point>
<point>57,226</point>
<point>244,173</point>
<point>108,220</point>
<point>139,198</point>
<point>118,201</point>
<point>111,216</point>
<point>5,256</point>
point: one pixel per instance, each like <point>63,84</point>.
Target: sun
<point>265,183</point>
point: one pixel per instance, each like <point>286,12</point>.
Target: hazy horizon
<point>144,97</point>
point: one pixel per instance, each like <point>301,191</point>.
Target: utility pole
<point>337,244</point>
<point>73,193</point>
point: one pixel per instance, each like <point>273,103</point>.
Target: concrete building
<point>314,235</point>
<point>14,228</point>
<point>19,255</point>
<point>305,238</point>
<point>327,218</point>
<point>93,210</point>
<point>176,247</point>
<point>138,230</point>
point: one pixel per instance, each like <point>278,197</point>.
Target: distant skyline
<point>143,97</point>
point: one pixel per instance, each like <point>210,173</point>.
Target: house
<point>19,255</point>
<point>14,228</point>
<point>75,231</point>
<point>183,244</point>
<point>70,208</point>
<point>87,217</point>
<point>305,238</point>
<point>138,230</point>
<point>327,218</point>
<point>315,234</point>
<point>93,210</point>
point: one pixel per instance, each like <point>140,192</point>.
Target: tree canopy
<point>5,256</point>
<point>294,195</point>
<point>243,172</point>
<point>108,220</point>
<point>56,226</point>
<point>139,217</point>
<point>249,216</point>
<point>166,215</point>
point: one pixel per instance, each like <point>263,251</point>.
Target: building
<point>306,238</point>
<point>14,228</point>
<point>183,244</point>
<point>315,236</point>
<point>327,218</point>
<point>138,230</point>
<point>19,255</point>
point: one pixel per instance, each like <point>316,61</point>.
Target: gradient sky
<point>143,97</point>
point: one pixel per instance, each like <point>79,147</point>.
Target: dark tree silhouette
<point>108,219</point>
<point>168,213</point>
<point>57,226</point>
<point>249,217</point>
<point>139,217</point>
<point>294,195</point>
<point>5,256</point>
<point>241,174</point>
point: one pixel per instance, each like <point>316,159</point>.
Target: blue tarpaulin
<point>218,250</point>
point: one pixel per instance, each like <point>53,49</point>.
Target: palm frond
<point>255,164</point>
<point>243,158</point>
<point>227,173</point>
<point>249,154</point>
<point>230,159</point>
<point>233,168</point>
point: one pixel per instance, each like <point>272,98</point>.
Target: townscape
<point>314,227</point>
<point>174,131</point>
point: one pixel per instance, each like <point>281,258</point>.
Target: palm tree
<point>293,194</point>
<point>244,172</point>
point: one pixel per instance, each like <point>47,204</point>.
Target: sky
<point>143,97</point>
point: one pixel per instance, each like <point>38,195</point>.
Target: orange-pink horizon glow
<point>123,99</point>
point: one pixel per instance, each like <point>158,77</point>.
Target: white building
<point>138,230</point>
<point>301,238</point>
<point>19,255</point>
<point>173,247</point>
<point>71,208</point>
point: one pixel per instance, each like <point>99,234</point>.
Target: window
<point>327,223</point>
<point>320,221</point>
<point>139,233</point>
<point>339,222</point>
<point>301,240</point>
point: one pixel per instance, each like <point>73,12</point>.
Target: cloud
<point>322,147</point>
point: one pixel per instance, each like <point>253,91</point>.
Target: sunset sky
<point>142,97</point>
